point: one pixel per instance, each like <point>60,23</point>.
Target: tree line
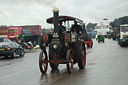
<point>119,21</point>
<point>91,26</point>
<point>114,24</point>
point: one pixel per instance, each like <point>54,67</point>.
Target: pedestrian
<point>96,37</point>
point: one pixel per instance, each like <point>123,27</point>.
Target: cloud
<point>28,12</point>
<point>49,3</point>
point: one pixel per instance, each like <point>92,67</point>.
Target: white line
<point>17,72</point>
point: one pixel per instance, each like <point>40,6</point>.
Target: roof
<point>124,25</point>
<point>14,27</point>
<point>64,18</point>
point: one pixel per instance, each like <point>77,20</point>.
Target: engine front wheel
<point>43,62</point>
<point>53,65</point>
<point>69,61</point>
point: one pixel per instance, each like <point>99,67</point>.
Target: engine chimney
<point>56,22</point>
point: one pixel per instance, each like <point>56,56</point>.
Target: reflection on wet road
<point>106,65</point>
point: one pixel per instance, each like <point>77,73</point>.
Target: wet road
<point>107,64</point>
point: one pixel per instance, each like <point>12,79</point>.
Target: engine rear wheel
<point>69,61</point>
<point>81,56</point>
<point>43,62</point>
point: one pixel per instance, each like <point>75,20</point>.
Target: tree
<point>117,22</point>
<point>3,26</point>
<point>91,26</point>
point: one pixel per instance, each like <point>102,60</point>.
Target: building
<point>103,28</point>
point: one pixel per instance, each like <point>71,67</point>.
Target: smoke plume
<point>48,3</point>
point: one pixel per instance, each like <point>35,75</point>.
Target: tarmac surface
<point>107,64</point>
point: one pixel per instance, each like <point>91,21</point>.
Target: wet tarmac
<point>107,64</point>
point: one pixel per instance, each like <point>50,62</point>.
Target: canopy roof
<point>64,18</point>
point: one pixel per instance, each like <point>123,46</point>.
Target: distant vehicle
<point>11,49</point>
<point>87,37</point>
<point>109,35</point>
<point>115,34</point>
<point>101,38</point>
<point>33,30</point>
<point>24,35</point>
<point>123,39</point>
<point>17,34</point>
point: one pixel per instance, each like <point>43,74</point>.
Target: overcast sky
<point>35,12</point>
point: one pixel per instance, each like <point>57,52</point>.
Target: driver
<point>61,27</point>
<point>76,28</point>
<point>62,30</point>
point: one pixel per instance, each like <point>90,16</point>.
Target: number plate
<point>2,49</point>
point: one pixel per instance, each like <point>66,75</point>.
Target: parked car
<point>11,49</point>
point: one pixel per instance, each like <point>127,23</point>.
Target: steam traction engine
<point>64,48</point>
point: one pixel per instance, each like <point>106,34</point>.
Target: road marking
<point>17,72</point>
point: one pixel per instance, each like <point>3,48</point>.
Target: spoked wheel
<point>82,56</point>
<point>43,62</point>
<point>69,61</point>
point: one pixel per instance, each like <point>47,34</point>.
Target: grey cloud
<point>23,12</point>
<point>49,3</point>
